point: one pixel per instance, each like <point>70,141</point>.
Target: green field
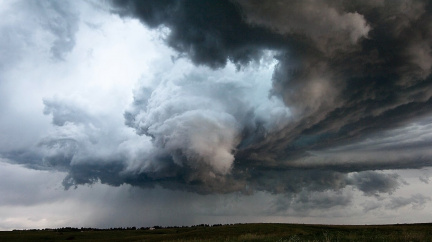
<point>236,232</point>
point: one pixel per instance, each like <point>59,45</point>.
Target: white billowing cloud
<point>77,97</point>
<point>197,116</point>
<point>192,116</point>
<point>204,136</point>
<point>33,36</point>
<point>88,88</point>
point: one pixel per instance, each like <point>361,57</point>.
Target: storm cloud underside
<point>347,83</point>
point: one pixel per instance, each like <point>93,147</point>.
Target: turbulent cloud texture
<point>285,97</point>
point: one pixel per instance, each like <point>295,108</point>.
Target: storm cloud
<point>344,71</point>
<point>284,97</point>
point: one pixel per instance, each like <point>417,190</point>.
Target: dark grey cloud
<point>335,73</point>
<point>360,87</point>
<point>194,127</point>
<point>208,32</point>
<point>346,74</point>
<point>417,201</point>
<point>372,183</point>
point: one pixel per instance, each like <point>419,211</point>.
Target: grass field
<point>237,232</point>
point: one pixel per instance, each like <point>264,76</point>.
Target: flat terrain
<point>236,232</point>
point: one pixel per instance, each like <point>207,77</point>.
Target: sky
<point>159,112</point>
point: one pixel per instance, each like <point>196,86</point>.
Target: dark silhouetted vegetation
<point>231,232</point>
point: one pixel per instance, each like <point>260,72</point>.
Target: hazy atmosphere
<point>120,113</point>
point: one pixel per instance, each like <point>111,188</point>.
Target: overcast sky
<point>139,113</point>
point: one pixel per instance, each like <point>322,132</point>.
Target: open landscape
<point>233,232</point>
<point>295,120</point>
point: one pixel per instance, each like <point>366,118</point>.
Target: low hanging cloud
<point>417,201</point>
<point>345,83</point>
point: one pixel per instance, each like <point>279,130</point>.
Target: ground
<point>235,232</point>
